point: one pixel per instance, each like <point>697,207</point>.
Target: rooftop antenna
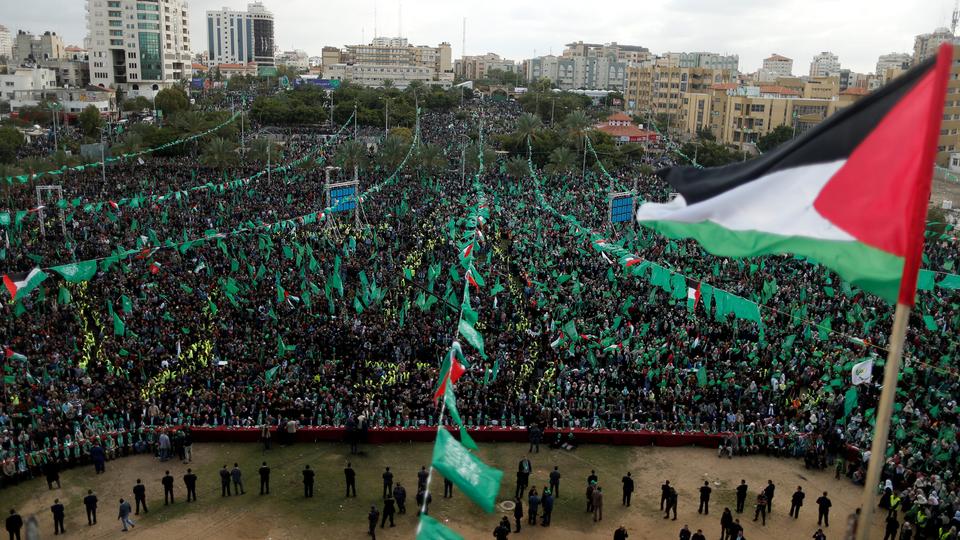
<point>956,17</point>
<point>400,18</point>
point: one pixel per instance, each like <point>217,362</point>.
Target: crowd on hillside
<point>336,321</point>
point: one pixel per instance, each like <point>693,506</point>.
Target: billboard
<point>326,84</point>
<point>266,71</point>
<point>197,83</point>
<point>621,209</point>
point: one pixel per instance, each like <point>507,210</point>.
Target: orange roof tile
<point>624,131</point>
<point>619,117</point>
<point>199,66</point>
<point>724,86</point>
<point>855,91</point>
<point>776,89</point>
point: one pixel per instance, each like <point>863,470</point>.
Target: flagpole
<point>878,450</point>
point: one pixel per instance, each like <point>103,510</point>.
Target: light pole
<point>386,117</point>
<point>553,108</point>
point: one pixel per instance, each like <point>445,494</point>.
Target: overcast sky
<point>857,30</point>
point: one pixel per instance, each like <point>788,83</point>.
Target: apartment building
<point>706,60</point>
<point>477,67</point>
<point>660,89</point>
<point>825,64</point>
<point>6,44</point>
<point>393,59</point>
<point>139,46</point>
<point>241,37</point>
<point>926,45</point>
<point>774,66</point>
<point>30,48</point>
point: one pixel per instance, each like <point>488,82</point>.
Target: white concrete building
<point>73,100</point>
<point>374,75</point>
<point>825,64</point>
<point>707,60</point>
<point>925,45</point>
<point>778,66</point>
<point>26,79</point>
<point>240,37</point>
<point>139,46</point>
<point>391,59</point>
<point>6,43</point>
<point>891,65</point>
<point>297,59</point>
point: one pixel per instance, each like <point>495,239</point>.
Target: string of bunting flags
<point>478,481</point>
<point>24,178</point>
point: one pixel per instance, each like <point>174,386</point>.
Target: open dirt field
<point>285,513</point>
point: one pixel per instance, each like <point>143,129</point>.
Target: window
<point>116,23</point>
<point>148,26</point>
<point>738,106</point>
<point>757,108</point>
<point>113,4</point>
<point>113,14</point>
<point>148,17</point>
<point>117,42</point>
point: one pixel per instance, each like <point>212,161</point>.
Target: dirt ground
<point>285,513</point>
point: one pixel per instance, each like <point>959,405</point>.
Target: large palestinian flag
<point>851,193</point>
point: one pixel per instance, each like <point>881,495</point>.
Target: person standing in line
<point>90,503</point>
<point>590,487</point>
<point>400,495</point>
<point>13,524</point>
<point>598,504</point>
<point>264,479</point>
<point>796,501</point>
<point>447,488</point>
<point>124,515</point>
<point>685,533</point>
<point>187,446</point>
<point>620,533</point>
<point>99,458</point>
<point>823,510</point>
<point>664,493</point>
<point>224,482</point>
<point>555,481</point>
<point>237,477</point>
<point>167,482</point>
<point>741,496</point>
<point>308,481</point>
<point>517,512</point>
<point>705,491</point>
<point>190,480</point>
<point>533,507</point>
<point>58,515</point>
<point>761,507</point>
<point>768,493</point>
<point>388,510</point>
<point>547,503</point>
<point>372,518</point>
<point>502,530</point>
<point>351,478</point>
<point>726,524</point>
<point>422,477</point>
<point>140,495</point>
<point>52,471</point>
<point>627,488</point>
<point>698,535</point>
<point>387,482</point>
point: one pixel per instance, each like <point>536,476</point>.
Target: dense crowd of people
<point>201,314</point>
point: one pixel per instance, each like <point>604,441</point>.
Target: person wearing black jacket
<point>726,524</point>
<point>224,482</point>
<point>52,471</point>
<point>796,501</point>
<point>768,493</point>
<point>620,533</point>
<point>741,496</point>
<point>400,495</point>
<point>90,503</point>
<point>264,479</point>
<point>823,510</point>
<point>518,512</point>
<point>58,515</point>
<point>308,475</point>
<point>705,491</point>
<point>627,489</point>
<point>190,480</point>
<point>14,523</point>
<point>372,518</point>
<point>664,493</point>
<point>555,481</point>
<point>167,482</point>
<point>140,495</point>
<point>388,511</point>
<point>351,478</point>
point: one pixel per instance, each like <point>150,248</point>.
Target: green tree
<point>562,161</point>
<point>473,163</point>
<point>90,121</point>
<point>261,150</point>
<point>430,160</point>
<point>172,100</point>
<point>219,153</point>
<point>576,125</point>
<point>392,152</point>
<point>351,154</point>
<point>517,168</point>
<point>138,103</point>
<point>528,125</point>
<point>10,141</point>
<point>775,138</point>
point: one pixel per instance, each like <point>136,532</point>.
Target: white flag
<point>863,372</point>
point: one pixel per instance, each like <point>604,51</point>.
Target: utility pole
<point>553,109</point>
<point>583,171</point>
<point>386,117</point>
<point>354,121</point>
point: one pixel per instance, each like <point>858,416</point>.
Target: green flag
<point>118,327</point>
<point>270,374</point>
<point>474,338</point>
<point>77,272</point>
<point>431,529</point>
<point>702,376</point>
<point>450,400</point>
<point>477,481</point>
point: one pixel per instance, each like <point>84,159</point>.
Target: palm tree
<point>430,160</point>
<point>351,154</point>
<point>562,161</point>
<point>528,125</point>
<point>517,168</point>
<point>577,124</point>
<point>489,156</point>
<point>392,152</point>
<point>219,152</point>
<point>258,151</point>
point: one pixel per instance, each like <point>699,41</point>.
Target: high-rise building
<point>891,65</point>
<point>28,48</point>
<point>588,66</point>
<point>139,46</point>
<point>241,37</point>
<point>6,44</point>
<point>925,45</point>
<point>706,60</point>
<point>296,59</point>
<point>392,59</point>
<point>477,67</point>
<point>661,90</point>
<point>825,64</point>
<point>777,66</point>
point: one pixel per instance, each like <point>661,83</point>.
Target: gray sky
<point>857,30</point>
